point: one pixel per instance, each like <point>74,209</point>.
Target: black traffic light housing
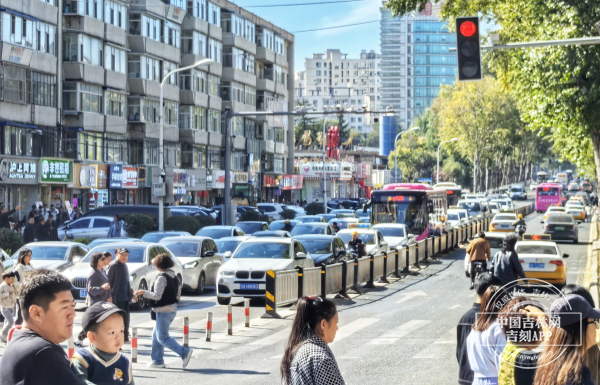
<point>468,48</point>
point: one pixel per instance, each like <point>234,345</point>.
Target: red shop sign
<point>269,181</point>
<point>292,182</point>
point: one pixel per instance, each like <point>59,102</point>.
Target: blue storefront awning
<point>2,123</point>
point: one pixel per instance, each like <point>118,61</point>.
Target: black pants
<point>19,315</point>
<point>124,305</point>
<point>484,266</point>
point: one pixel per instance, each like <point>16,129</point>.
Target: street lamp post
<point>161,164</point>
<point>396,149</point>
<point>438,158</point>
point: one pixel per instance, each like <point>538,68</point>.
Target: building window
<point>215,158</point>
<point>28,33</point>
<point>279,134</point>
<point>89,146</point>
<point>194,80</point>
<point>194,43</point>
<point>17,141</point>
<point>116,103</point>
<point>214,121</point>
<point>143,110</point>
<point>167,68</point>
<point>214,85</point>
<point>172,154</point>
<point>115,59</point>
<point>143,67</point>
<point>117,148</point>
<point>43,88</point>
<point>15,84</point>
<point>215,50</point>
<point>151,152</point>
<point>172,34</point>
<point>143,25</point>
<point>236,58</point>
<point>198,8</point>
<point>192,118</point>
<point>214,14</point>
<point>115,14</point>
<point>278,164</point>
<point>233,23</point>
<point>265,38</point>
<point>83,49</point>
<point>82,97</point>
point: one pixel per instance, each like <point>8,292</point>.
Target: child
<point>7,301</point>
<point>102,363</point>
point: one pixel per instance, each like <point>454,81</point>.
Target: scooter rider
<point>520,221</point>
<point>357,244</point>
<point>335,227</point>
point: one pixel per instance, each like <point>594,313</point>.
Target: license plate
<point>559,228</point>
<point>82,293</point>
<point>249,286</point>
<point>536,265</point>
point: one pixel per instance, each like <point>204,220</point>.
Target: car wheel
<point>223,301</point>
<point>576,241</point>
<point>142,302</point>
<point>201,284</point>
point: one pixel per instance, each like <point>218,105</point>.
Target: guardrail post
<point>370,284</point>
<point>344,291</point>
<point>208,326</point>
<point>246,312</point>
<point>300,281</point>
<point>383,278</point>
<point>396,264</point>
<point>355,286</point>
<point>186,331</point>
<point>270,295</point>
<point>134,345</point>
<point>323,282</point>
<point>407,258</point>
<point>229,320</point>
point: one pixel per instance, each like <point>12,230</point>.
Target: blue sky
<point>350,40</point>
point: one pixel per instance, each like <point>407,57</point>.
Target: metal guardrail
<point>412,255</point>
<point>363,270</point>
<point>443,243</point>
<point>429,247</point>
<point>331,278</point>
<point>436,245</point>
<point>422,250</point>
<point>378,262</point>
<point>309,281</point>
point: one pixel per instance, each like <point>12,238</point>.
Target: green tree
<point>372,139</point>
<point>137,225</point>
<point>310,123</point>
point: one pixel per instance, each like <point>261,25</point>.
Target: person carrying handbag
<point>164,295</point>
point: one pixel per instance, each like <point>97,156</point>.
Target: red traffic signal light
<point>468,28</point>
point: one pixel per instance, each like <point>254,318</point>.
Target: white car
<point>142,273</point>
<point>552,210</point>
<point>298,210</point>
<point>494,207</point>
<point>200,258</point>
<point>375,244</point>
<point>88,227</point>
<point>505,204</point>
<point>464,214</point>
<point>272,210</point>
<point>57,256</point>
<point>244,274</point>
<point>470,197</point>
<point>396,235</point>
<point>543,260</point>
<point>502,222</point>
<point>228,245</point>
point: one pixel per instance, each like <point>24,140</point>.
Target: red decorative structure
<point>333,139</point>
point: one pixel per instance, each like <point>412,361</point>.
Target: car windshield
<point>505,218</point>
<point>369,239</point>
<point>48,253</point>
<point>556,209</point>
<point>136,254</point>
<point>214,233</point>
<point>560,219</point>
<point>274,226</point>
<point>494,206</point>
<point>224,246</point>
<point>263,250</point>
<point>303,230</point>
<point>391,231</point>
<point>310,219</point>
<point>462,214</point>
<point>516,189</point>
<point>98,242</point>
<point>453,217</point>
<point>317,246</point>
<point>156,237</point>
<point>536,249</point>
<point>495,243</point>
<point>183,249</point>
<point>470,206</point>
<point>249,227</point>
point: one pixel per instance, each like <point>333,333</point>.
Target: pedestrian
<point>102,362</point>
<point>4,216</point>
<point>562,359</point>
<point>522,322</point>
<point>98,288</point>
<point>51,211</point>
<point>43,230</point>
<point>107,261</point>
<point>307,359</point>
<point>8,302</point>
<point>24,270</point>
<point>76,214</point>
<point>115,229</point>
<point>29,232</point>
<point>506,261</point>
<point>121,291</point>
<point>63,216</point>
<point>33,212</point>
<point>465,325</point>
<point>164,295</point>
<point>52,229</point>
<point>486,341</point>
<point>479,252</point>
<point>592,355</point>
<point>287,226</point>
<point>34,355</point>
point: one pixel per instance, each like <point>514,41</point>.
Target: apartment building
<point>332,78</point>
<point>415,61</point>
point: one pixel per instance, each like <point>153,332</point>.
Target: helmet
<point>354,233</point>
<point>520,216</point>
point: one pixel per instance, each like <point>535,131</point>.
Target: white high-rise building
<point>332,78</point>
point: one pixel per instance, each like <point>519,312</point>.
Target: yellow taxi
<point>542,259</point>
<point>576,208</point>
<point>554,209</point>
<point>503,221</point>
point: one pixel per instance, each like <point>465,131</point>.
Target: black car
<point>252,227</point>
<point>562,227</point>
<point>325,249</point>
<point>123,211</point>
<point>277,233</point>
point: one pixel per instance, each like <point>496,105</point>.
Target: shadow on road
<point>224,371</point>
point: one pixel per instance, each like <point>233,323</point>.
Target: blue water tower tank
<point>387,134</point>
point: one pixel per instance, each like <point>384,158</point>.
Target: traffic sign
<point>425,180</point>
<point>395,175</point>
<point>276,192</point>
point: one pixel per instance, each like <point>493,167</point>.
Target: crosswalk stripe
<point>394,335</point>
<point>353,327</point>
<point>439,348</point>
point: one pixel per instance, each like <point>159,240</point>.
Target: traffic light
<point>468,48</point>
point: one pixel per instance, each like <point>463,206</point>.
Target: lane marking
<point>439,348</point>
<point>411,295</point>
<point>353,327</point>
<point>394,335</point>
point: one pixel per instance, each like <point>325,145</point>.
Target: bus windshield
<point>410,210</point>
<point>547,191</point>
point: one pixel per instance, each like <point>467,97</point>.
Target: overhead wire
<point>338,26</point>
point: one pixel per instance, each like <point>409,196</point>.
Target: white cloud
<point>350,14</point>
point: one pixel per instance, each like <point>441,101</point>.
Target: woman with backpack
<point>164,296</point>
<point>506,261</point>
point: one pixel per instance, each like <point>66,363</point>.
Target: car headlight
<point>132,277</point>
<point>190,265</point>
<point>227,273</point>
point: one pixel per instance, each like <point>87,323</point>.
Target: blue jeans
<point>9,321</point>
<point>161,339</point>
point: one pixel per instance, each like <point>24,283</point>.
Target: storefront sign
<point>158,189</point>
<point>315,169</point>
<point>269,181</point>
<point>196,180</point>
<point>88,176</point>
<point>345,171</point>
<point>102,176</point>
<point>56,171</point>
<point>366,170</point>
<point>240,177</point>
<point>276,192</point>
<point>142,171</point>
<point>116,176</point>
<point>292,182</point>
<point>218,179</point>
<point>15,170</point>
<point>130,177</point>
<point>16,54</point>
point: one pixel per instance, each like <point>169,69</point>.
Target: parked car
<point>279,225</point>
<point>310,218</point>
<point>57,256</point>
<point>216,232</point>
<point>90,228</point>
<point>252,227</point>
<point>325,249</point>
<point>123,211</point>
<point>244,274</point>
<point>344,222</point>
<point>313,228</point>
<point>102,241</point>
<point>156,236</point>
<point>227,245</point>
<point>396,235</point>
<point>275,233</point>
<point>142,273</point>
<point>271,210</point>
<point>200,259</point>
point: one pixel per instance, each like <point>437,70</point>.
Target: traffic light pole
<point>534,44</point>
